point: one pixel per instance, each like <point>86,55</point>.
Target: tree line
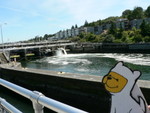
<point>120,35</point>
<point>40,38</point>
<point>136,13</point>
<point>117,35</point>
<point>113,35</point>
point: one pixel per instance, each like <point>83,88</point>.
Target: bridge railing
<point>5,107</point>
<point>39,101</point>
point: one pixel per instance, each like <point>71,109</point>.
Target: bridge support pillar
<point>25,51</point>
<point>40,52</point>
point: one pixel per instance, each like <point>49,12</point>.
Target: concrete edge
<point>92,78</point>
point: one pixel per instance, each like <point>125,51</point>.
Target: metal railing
<point>5,107</point>
<point>39,101</point>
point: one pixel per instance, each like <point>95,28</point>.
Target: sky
<point>24,19</point>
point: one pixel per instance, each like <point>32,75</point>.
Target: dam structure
<point>22,51</point>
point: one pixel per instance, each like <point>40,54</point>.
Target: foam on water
<point>92,64</point>
<point>138,59</point>
<point>65,60</point>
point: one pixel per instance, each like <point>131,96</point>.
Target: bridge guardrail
<point>39,100</point>
<point>5,107</point>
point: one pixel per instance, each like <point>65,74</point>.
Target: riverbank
<point>82,91</point>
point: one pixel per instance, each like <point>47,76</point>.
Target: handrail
<point>8,107</point>
<point>39,100</point>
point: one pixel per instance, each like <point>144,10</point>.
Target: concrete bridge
<point>47,48</point>
<point>33,49</point>
<point>19,44</point>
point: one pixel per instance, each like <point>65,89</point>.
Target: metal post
<point>38,108</point>
<point>5,107</point>
<point>25,51</point>
<point>39,52</point>
<point>2,36</point>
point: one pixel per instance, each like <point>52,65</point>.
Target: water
<point>92,64</point>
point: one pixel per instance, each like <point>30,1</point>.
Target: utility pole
<point>1,26</point>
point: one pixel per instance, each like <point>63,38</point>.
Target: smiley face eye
<point>111,77</point>
<point>116,79</point>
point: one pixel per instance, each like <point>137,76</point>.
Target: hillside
<point>113,29</point>
<point>120,35</point>
<point>136,13</point>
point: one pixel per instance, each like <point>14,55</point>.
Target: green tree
<point>146,39</point>
<point>137,38</point>
<point>75,39</point>
<point>124,36</point>
<point>147,12</point>
<point>83,40</point>
<point>112,29</point>
<point>86,23</point>
<point>45,36</point>
<point>130,16</point>
<point>126,13</point>
<point>119,32</point>
<point>109,39</point>
<point>98,38</point>
<point>90,37</point>
<point>100,22</point>
<point>76,26</point>
<point>138,13</point>
<point>82,35</point>
<point>92,24</point>
<point>38,38</point>
<point>72,27</point>
<point>145,29</point>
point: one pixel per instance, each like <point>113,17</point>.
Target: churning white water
<point>93,64</point>
<point>60,52</point>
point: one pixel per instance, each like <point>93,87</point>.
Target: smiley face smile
<point>110,86</point>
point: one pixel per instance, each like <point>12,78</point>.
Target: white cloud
<point>89,9</point>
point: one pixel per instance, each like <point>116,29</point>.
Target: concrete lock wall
<point>110,48</point>
<point>82,91</point>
